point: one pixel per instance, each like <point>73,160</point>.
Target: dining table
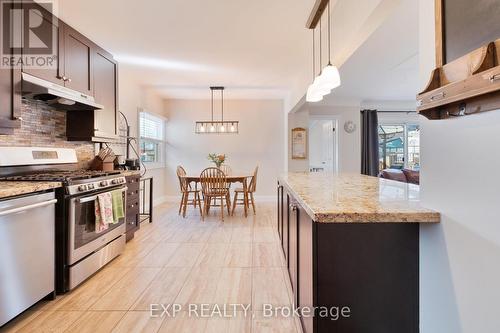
<point>233,177</point>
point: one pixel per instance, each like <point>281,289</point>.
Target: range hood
<point>59,97</point>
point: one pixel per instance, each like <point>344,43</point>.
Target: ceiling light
<point>329,77</point>
<point>217,126</point>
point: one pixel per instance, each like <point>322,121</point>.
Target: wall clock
<point>349,126</point>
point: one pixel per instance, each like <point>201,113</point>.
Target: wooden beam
<point>317,11</point>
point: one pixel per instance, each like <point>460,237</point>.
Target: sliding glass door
<point>399,146</point>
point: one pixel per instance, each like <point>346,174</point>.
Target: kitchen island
<point>351,243</point>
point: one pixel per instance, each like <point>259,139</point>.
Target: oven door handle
<point>94,197</point>
<point>25,208</point>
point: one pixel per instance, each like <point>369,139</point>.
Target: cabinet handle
<point>293,207</point>
<point>68,80</point>
<point>438,96</point>
<point>18,118</point>
<point>494,77</point>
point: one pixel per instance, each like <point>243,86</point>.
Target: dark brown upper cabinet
<point>76,55</point>
<point>105,91</point>
<point>99,125</point>
<point>10,98</point>
<point>55,74</point>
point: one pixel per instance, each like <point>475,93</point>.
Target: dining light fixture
<point>217,126</point>
<point>329,77</point>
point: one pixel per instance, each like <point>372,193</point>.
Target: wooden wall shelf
<point>467,85</point>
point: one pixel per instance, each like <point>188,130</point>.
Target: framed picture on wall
<point>299,143</point>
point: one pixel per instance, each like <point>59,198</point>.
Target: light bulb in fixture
<point>232,128</point>
<point>222,128</point>
<point>202,128</point>
<point>312,94</point>
<point>212,128</point>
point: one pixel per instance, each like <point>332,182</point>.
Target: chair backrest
<point>181,173</point>
<point>253,182</point>
<point>226,169</point>
<point>213,180</point>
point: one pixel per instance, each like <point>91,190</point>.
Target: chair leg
<point>228,204</point>
<point>253,203</point>
<point>199,203</point>
<point>186,198</point>
<point>182,201</point>
<point>234,201</point>
<point>204,209</point>
<point>222,208</point>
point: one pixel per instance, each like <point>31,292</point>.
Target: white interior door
<point>328,145</point>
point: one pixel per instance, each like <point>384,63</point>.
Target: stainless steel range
<point>80,249</point>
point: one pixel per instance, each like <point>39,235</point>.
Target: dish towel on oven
<point>103,212</point>
<point>117,202</point>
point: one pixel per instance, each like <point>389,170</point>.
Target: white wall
<point>259,142</point>
<point>349,144</point>
<point>459,258</point>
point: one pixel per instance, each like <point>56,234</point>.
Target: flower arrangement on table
<point>217,159</point>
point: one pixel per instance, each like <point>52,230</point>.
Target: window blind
<point>151,126</point>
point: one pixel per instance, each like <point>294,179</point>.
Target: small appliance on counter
<point>132,164</point>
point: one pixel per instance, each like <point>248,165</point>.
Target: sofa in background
<point>404,175</point>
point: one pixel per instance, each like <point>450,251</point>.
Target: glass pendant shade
<point>329,79</point>
<point>312,94</point>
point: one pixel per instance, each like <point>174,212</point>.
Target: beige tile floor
<point>183,261</point>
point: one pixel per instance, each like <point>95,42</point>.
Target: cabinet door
<point>105,93</point>
<point>77,61</point>
<point>284,240</point>
<point>10,98</point>
<point>50,28</point>
<point>305,273</point>
<point>293,239</point>
<point>280,211</point>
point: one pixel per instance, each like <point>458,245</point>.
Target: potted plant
<point>217,159</point>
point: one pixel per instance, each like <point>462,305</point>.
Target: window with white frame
<point>152,139</point>
<point>399,146</point>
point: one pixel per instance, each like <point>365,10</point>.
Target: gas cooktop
<point>65,176</point>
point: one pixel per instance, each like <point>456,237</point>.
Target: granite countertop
<point>351,198</point>
<point>10,189</point>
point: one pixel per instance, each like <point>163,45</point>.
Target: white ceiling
<point>257,49</point>
<point>385,67</point>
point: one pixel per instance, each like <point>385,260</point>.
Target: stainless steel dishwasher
<point>27,232</point>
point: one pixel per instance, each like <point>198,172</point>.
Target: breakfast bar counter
<point>352,242</point>
<point>354,198</point>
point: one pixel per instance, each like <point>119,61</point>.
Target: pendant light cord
<point>329,38</point>
<point>314,55</point>
<point>320,49</point>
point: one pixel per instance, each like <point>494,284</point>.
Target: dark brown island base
<point>351,243</point>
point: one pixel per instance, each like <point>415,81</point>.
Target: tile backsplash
<point>43,126</point>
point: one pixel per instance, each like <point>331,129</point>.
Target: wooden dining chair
<point>226,169</point>
<point>186,190</point>
<point>249,193</point>
<point>214,185</point>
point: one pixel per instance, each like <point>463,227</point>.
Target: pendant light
<point>312,93</point>
<point>329,78</point>
<point>217,126</point>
